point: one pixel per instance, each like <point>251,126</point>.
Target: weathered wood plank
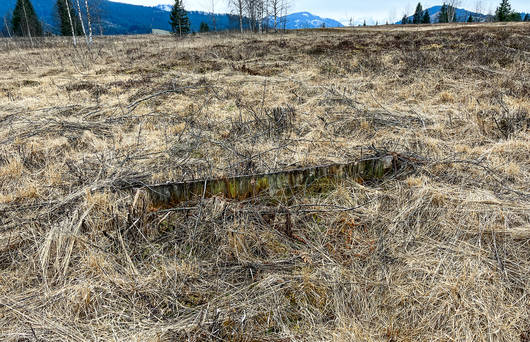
<point>273,184</point>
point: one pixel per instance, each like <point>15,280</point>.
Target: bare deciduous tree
<point>451,9</point>
<point>81,20</point>
<point>238,6</point>
<point>260,13</point>
<point>284,7</point>
<point>479,6</point>
<point>89,22</point>
<point>275,11</point>
<point>252,8</point>
<point>7,27</point>
<point>71,22</point>
<point>96,9</point>
<point>212,13</point>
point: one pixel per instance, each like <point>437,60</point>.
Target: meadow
<point>436,251</point>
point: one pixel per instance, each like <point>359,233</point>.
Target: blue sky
<point>342,10</point>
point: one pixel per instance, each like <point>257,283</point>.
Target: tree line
<point>447,14</point>
<point>254,15</point>
<point>74,18</point>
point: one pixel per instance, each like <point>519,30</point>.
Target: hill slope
<point>120,18</point>
<point>301,20</point>
<point>461,15</point>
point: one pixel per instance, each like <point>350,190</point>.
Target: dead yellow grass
<point>438,252</point>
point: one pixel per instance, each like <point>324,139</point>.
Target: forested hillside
<point>118,18</point>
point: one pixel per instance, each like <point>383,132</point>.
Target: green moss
<point>281,185</point>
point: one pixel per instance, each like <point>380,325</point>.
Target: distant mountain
<point>164,7</point>
<point>298,20</point>
<point>302,20</point>
<point>462,15</point>
<point>120,18</point>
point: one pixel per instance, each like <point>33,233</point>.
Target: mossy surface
<point>316,180</point>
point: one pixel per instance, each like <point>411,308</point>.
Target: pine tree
<point>470,19</point>
<point>25,22</point>
<point>204,27</point>
<point>178,19</point>
<point>426,17</point>
<point>364,23</point>
<point>405,19</point>
<point>64,19</point>
<point>443,16</point>
<point>416,19</point>
<point>514,16</point>
<point>503,11</point>
<point>527,17</point>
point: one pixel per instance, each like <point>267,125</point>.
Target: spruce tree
<point>443,16</point>
<point>64,19</point>
<point>25,22</point>
<point>426,17</point>
<point>178,19</point>
<point>416,19</point>
<point>503,11</point>
<point>204,27</point>
<point>514,16</point>
<point>527,17</point>
<point>405,19</point>
<point>470,19</point>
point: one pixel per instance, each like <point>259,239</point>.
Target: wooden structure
<point>272,184</point>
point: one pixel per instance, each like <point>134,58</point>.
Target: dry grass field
<point>437,252</point>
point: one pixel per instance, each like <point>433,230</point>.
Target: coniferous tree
<point>405,19</point>
<point>527,17</point>
<point>470,19</point>
<point>416,19</point>
<point>178,19</point>
<point>204,27</point>
<point>514,16</point>
<point>25,21</point>
<point>426,17</point>
<point>443,16</point>
<point>64,19</point>
<point>503,11</point>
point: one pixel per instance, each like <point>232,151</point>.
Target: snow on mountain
<point>164,7</point>
<point>298,20</point>
<point>461,15</point>
<point>302,20</point>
